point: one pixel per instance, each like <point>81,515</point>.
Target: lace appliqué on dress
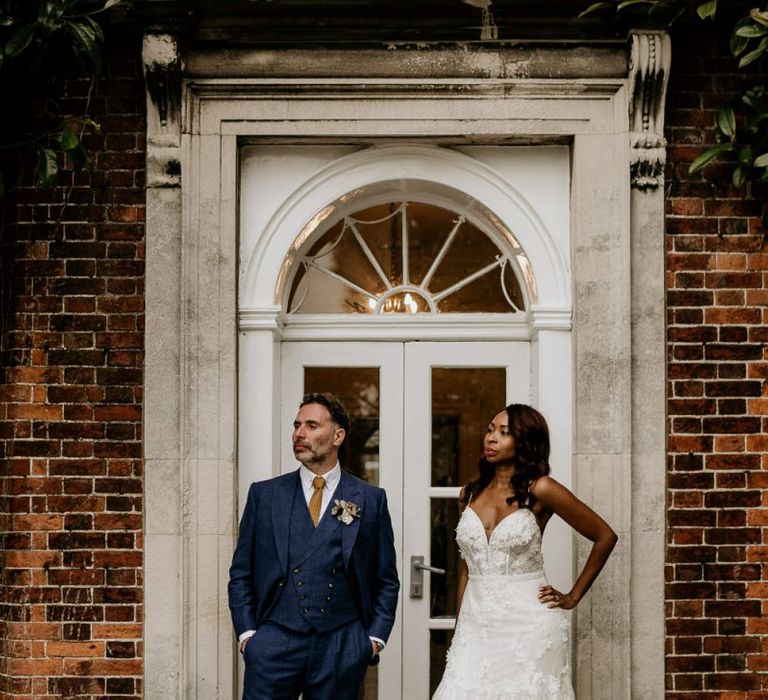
<point>507,645</point>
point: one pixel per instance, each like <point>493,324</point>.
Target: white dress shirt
<point>332,479</point>
<point>306,477</point>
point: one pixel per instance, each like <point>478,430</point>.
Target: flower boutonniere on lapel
<point>345,511</point>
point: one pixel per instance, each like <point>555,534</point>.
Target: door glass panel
<point>439,643</point>
<point>444,554</point>
<point>368,261</point>
<point>358,390</point>
<point>464,399</point>
<point>463,402</point>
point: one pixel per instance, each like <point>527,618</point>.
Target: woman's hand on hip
<point>552,598</point>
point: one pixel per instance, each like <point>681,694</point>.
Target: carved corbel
<point>649,63</point>
<point>162,73</point>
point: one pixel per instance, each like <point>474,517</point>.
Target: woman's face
<point>499,445</point>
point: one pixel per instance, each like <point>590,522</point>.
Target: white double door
<point>419,411</point>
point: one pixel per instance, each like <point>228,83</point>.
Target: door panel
<point>451,392</point>
<point>418,411</point>
<point>368,378</point>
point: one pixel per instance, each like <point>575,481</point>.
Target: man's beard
<point>309,456</point>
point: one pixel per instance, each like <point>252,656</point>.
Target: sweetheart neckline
<point>495,527</point>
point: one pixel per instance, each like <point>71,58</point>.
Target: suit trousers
<point>281,664</point>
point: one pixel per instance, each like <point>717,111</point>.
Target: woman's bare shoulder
<point>546,487</point>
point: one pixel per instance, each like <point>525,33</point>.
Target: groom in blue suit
<point>313,584</point>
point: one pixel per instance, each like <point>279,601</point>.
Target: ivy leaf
<point>726,121</point>
<point>739,176</point>
<point>47,167</point>
<point>594,7</point>
<point>20,40</point>
<point>745,155</point>
<point>738,42</point>
<point>761,17</point>
<point>628,3</point>
<point>78,157</point>
<point>69,139</point>
<point>86,37</point>
<point>751,31</point>
<point>753,55</point>
<point>95,27</point>
<point>761,161</point>
<point>707,9</point>
<point>709,155</point>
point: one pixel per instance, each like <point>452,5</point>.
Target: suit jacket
<point>260,563</point>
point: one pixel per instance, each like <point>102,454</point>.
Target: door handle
<point>418,567</point>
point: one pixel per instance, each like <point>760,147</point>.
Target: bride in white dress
<point>511,640</point>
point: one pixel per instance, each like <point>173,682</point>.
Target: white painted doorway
<point>419,410</point>
<point>424,288</point>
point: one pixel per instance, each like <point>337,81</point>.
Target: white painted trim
<point>261,265</point>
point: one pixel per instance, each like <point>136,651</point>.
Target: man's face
<point>316,439</point>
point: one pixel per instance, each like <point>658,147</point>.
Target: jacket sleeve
<point>386,586</point>
<point>243,602</point>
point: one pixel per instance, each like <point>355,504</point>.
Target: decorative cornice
<point>162,72</point>
<point>648,76</point>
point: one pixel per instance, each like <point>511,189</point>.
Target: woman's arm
<point>585,521</point>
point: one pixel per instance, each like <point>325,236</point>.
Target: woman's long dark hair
<point>531,434</point>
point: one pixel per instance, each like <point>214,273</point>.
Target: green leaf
<point>707,9</point>
<point>709,155</point>
<point>739,43</point>
<point>69,139</point>
<point>739,176</point>
<point>751,31</point>
<point>726,121</point>
<point>752,56</point>
<point>745,155</point>
<point>47,166</point>
<point>20,40</point>
<point>85,36</point>
<point>761,161</point>
<point>112,3</point>
<point>78,157</point>
<point>594,7</point>
<point>624,4</point>
<point>98,32</point>
<point>759,16</point>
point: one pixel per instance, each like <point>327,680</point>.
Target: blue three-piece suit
<point>315,596</point>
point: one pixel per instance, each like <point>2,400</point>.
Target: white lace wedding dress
<point>507,645</point>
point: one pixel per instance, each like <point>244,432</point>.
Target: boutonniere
<point>345,511</point>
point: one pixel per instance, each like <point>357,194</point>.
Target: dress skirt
<point>507,645</point>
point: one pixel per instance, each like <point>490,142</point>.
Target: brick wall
<point>717,637</point>
<point>71,410</point>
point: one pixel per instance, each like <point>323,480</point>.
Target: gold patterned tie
<point>318,483</point>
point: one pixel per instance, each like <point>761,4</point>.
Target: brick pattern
<point>717,267</point>
<point>71,411</point>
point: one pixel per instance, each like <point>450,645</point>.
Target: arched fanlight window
<point>406,257</point>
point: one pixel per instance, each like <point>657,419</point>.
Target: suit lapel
<point>349,491</point>
<point>282,505</point>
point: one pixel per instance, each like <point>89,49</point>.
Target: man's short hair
<point>338,413</point>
